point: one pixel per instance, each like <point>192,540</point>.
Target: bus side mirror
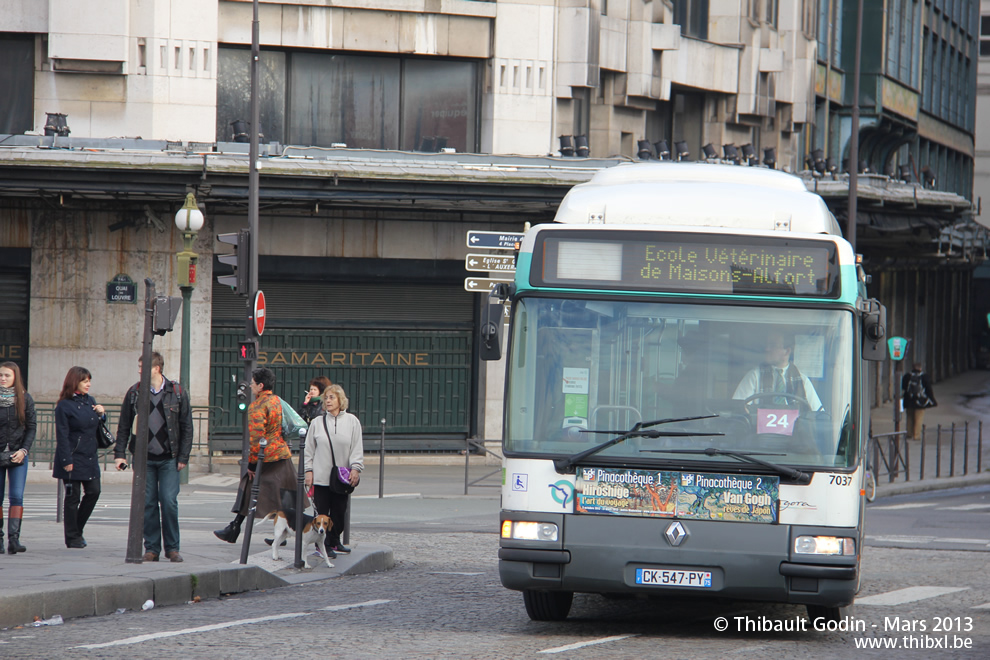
<point>492,322</point>
<point>875,332</point>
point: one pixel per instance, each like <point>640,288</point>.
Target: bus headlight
<point>824,545</point>
<point>524,530</point>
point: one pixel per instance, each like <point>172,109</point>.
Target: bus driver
<point>778,373</point>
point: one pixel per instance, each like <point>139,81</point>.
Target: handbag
<point>5,460</point>
<point>339,476</point>
<point>104,438</point>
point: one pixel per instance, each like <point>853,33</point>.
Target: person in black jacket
<point>77,464</point>
<point>170,434</point>
<point>17,429</point>
<point>917,394</point>
<point>312,405</point>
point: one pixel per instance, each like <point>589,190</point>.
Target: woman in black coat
<point>77,419</point>
<point>17,431</point>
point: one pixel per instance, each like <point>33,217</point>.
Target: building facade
<point>391,129</point>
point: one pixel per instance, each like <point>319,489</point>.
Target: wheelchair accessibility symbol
<point>520,482</point>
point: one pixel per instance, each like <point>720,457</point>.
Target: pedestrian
<point>170,433</point>
<point>76,463</point>
<point>312,405</point>
<point>335,439</point>
<point>917,394</point>
<point>17,429</point>
<point>264,421</point>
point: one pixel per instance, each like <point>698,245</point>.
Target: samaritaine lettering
<point>345,358</point>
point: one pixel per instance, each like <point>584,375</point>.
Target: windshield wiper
<point>639,430</point>
<point>745,457</point>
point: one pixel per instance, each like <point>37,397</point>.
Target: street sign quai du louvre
<point>121,289</point>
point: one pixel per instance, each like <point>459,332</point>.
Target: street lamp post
<point>189,220</point>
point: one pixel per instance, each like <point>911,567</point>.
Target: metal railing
<point>951,448</point>
<point>479,444</point>
<point>43,449</point>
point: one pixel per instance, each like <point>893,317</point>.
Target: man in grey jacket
<point>170,433</point>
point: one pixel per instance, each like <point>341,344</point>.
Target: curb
<point>943,483</point>
<point>100,596</point>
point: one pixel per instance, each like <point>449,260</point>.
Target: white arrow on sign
<point>494,240</point>
<point>481,284</point>
<point>490,262</point>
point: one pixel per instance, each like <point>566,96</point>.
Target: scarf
<point>6,397</point>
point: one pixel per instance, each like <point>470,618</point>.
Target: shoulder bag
<point>339,476</point>
<point>104,438</point>
<point>5,460</point>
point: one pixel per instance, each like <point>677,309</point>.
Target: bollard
<point>966,448</point>
<point>907,459</point>
<point>938,451</point>
<point>300,498</point>
<point>255,487</point>
<point>467,462</point>
<point>921,463</point>
<point>979,447</point>
<point>381,465</point>
<point>59,500</point>
<point>952,451</point>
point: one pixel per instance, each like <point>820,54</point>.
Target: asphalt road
<point>957,519</point>
<point>444,600</point>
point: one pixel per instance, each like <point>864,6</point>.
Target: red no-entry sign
<point>259,312</point>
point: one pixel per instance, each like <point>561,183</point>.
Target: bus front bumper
<point>746,561</point>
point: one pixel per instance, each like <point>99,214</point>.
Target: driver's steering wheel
<point>800,400</point>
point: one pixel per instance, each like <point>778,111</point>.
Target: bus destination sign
<point>693,263</point>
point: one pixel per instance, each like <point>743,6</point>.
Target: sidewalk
<point>961,399</point>
<point>51,579</point>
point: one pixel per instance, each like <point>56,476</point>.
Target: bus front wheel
<point>547,605</point>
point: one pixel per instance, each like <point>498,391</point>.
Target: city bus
<point>685,400</point>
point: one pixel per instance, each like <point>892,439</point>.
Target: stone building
<point>390,129</point>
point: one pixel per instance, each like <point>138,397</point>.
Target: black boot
<point>231,531</point>
<point>14,530</point>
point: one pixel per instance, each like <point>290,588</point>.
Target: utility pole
<point>139,460</point>
<point>854,136</point>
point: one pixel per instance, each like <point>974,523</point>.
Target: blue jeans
<point>161,492</point>
<point>17,476</point>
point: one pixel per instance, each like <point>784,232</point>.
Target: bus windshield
<point>774,382</point>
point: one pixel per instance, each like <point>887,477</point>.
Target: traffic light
<point>240,281</point>
<point>248,350</point>
<point>166,309</point>
<point>242,395</point>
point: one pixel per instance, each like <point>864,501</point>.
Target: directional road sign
<point>493,240</point>
<point>481,284</point>
<point>483,263</point>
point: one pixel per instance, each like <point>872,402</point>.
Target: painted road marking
<point>924,539</point>
<point>984,606</point>
<point>965,507</point>
<point>901,539</point>
<point>453,573</point>
<point>908,595</point>
<point>228,624</point>
<point>910,505</point>
<point>591,642</point>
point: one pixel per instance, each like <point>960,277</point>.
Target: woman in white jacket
<point>342,430</point>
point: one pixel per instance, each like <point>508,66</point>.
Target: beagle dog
<point>315,530</point>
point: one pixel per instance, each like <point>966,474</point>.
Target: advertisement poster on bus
<point>690,495</point>
<point>626,492</point>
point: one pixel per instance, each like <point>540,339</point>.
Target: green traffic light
<point>242,406</point>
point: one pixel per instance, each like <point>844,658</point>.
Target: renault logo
<point>676,533</point>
